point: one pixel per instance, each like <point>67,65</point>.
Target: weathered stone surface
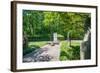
<point>85,47</point>
<point>46,53</point>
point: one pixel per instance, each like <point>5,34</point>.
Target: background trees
<point>41,24</point>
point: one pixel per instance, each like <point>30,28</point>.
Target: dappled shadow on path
<point>29,50</point>
<point>39,55</point>
<point>45,53</point>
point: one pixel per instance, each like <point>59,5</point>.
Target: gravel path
<point>46,53</point>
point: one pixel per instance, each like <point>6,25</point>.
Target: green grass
<point>75,43</point>
<point>70,53</point>
<point>37,44</point>
<point>33,46</point>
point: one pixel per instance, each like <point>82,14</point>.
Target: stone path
<point>46,53</point>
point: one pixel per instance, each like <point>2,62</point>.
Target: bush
<point>27,50</point>
<point>60,37</point>
<point>39,38</point>
<point>69,53</point>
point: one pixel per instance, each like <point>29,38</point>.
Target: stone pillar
<point>55,37</point>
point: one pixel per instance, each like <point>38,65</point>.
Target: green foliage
<point>32,22</point>
<point>27,50</point>
<point>60,37</point>
<point>33,46</point>
<point>70,53</point>
<point>48,22</point>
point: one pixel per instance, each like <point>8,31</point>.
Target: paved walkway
<point>46,53</point>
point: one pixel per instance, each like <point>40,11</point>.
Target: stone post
<point>55,40</point>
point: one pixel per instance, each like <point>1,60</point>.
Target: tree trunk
<point>25,41</point>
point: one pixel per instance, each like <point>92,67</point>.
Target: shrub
<point>69,53</point>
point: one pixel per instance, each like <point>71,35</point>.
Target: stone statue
<point>85,47</point>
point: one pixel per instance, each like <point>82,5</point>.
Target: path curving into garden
<point>45,53</point>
